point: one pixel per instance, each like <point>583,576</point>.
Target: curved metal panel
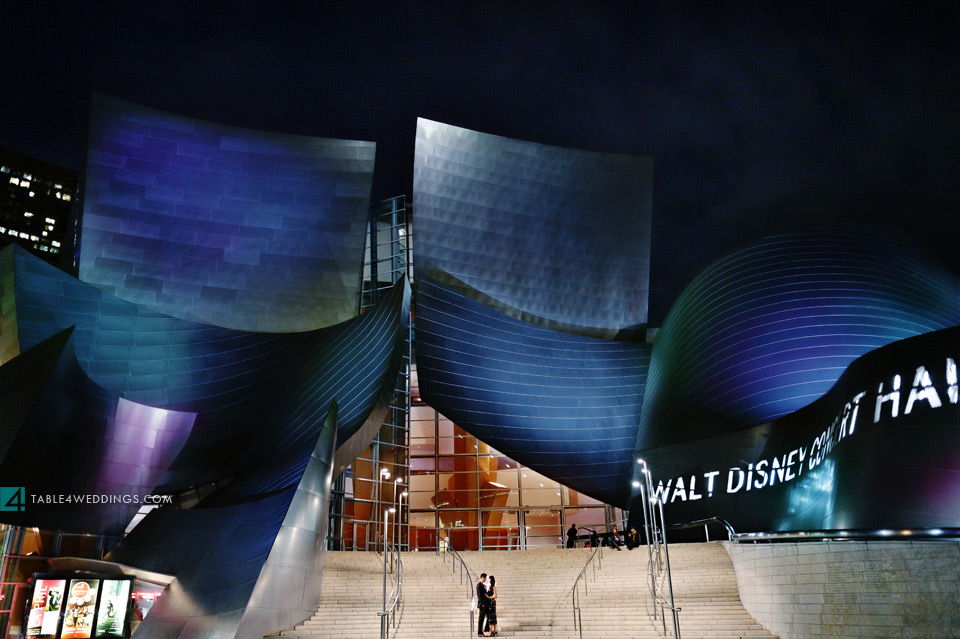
<point>877,452</point>
<point>251,391</point>
<point>243,570</point>
<point>80,440</point>
<point>565,405</point>
<point>225,226</point>
<point>770,328</point>
<point>553,236</point>
<point>9,340</point>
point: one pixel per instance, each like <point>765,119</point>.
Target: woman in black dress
<point>492,603</point>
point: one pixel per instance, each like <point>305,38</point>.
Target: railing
<point>658,553</point>
<point>928,534</point>
<point>731,533</point>
<point>575,594</point>
<point>464,572</point>
<point>388,613</point>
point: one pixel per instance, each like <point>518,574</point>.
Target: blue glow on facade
<point>224,226</point>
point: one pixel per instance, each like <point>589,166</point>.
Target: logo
<point>13,499</point>
<point>80,589</point>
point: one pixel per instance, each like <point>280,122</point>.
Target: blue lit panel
<point>77,438</point>
<point>556,237</point>
<point>224,226</point>
<point>878,451</point>
<point>245,567</point>
<point>253,392</point>
<point>565,405</point>
<point>769,329</point>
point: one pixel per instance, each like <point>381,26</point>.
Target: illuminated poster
<point>81,604</point>
<point>45,608</point>
<point>112,609</point>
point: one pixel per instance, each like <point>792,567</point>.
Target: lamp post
<point>383,615</point>
<point>393,503</point>
<point>400,523</point>
<point>384,474</point>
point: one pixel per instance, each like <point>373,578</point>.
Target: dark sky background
<point>761,118</point>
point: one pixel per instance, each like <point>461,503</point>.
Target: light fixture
<point>636,484</point>
<point>403,494</point>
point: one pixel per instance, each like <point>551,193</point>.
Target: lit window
<point>66,197</point>
<point>27,176</point>
<point>24,183</point>
<point>54,250</point>
<point>44,248</point>
<point>4,169</point>
<point>58,195</point>
<point>31,193</point>
<point>25,236</point>
<point>50,220</point>
<point>12,232</point>
<point>35,238</point>
<point>14,180</point>
<point>3,229</point>
<point>55,243</point>
<point>58,186</point>
<point>27,214</point>
<point>44,234</point>
<point>49,227</point>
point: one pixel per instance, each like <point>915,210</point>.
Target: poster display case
<point>88,606</point>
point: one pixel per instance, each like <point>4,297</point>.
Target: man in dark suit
<point>482,603</point>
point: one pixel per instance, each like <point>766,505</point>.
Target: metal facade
<point>224,226</point>
<point>556,237</point>
<point>769,329</point>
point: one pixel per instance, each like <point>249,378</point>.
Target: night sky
<point>761,118</point>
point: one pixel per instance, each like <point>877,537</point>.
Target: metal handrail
<point>464,570</point>
<point>731,533</point>
<point>575,594</point>
<point>888,534</point>
<point>903,534</point>
<point>658,553</point>
<point>391,554</point>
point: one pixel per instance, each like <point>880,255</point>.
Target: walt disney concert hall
<point>255,362</point>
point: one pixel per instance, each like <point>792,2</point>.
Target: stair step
<point>534,595</point>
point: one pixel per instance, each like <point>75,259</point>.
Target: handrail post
<point>646,529</point>
<point>666,554</point>
<point>383,615</point>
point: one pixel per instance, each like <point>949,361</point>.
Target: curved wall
<point>221,225</point>
<point>252,392</point>
<point>877,452</point>
<point>769,329</point>
<point>565,405</point>
<point>556,237</point>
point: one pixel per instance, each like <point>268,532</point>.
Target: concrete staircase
<point>434,604</point>
<point>534,595</point>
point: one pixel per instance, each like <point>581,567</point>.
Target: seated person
<point>615,539</point>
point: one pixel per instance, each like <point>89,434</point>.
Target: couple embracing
<point>487,604</point>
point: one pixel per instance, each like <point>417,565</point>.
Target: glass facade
<point>466,493</point>
<point>459,491</point>
<point>443,484</point>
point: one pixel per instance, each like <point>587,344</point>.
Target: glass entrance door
<point>541,527</point>
<point>501,529</point>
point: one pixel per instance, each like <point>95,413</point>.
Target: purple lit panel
<point>225,226</point>
<point>140,444</point>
